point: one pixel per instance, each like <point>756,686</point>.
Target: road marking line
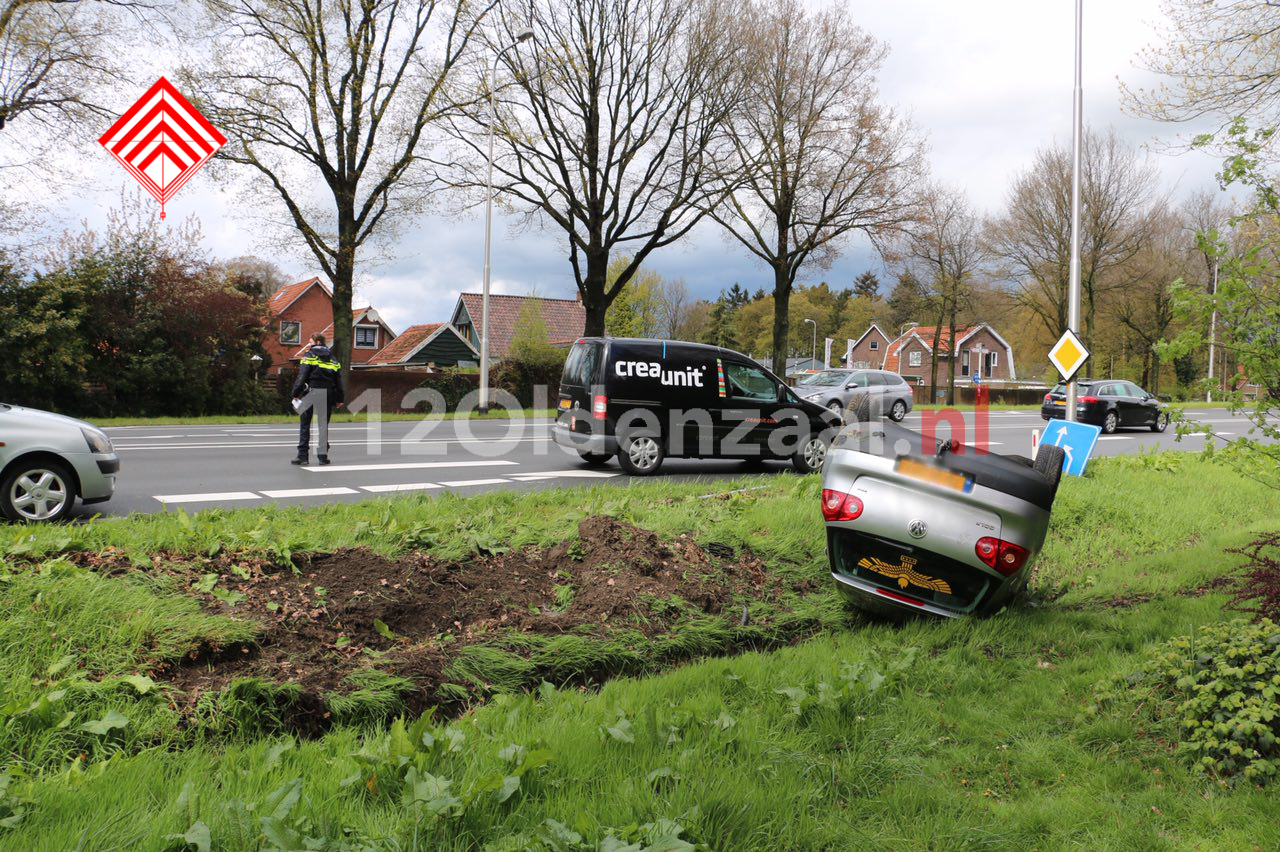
<point>579,474</point>
<point>399,486</point>
<point>384,441</point>
<point>457,483</point>
<point>1115,437</point>
<point>198,498</point>
<point>405,465</point>
<point>309,492</point>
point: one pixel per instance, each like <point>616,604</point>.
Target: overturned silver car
<point>932,526</point>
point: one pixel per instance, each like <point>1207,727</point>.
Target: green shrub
<point>1222,687</point>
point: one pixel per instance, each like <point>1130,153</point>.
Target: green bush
<point>1225,680</point>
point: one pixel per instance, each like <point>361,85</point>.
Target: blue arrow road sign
<point>1077,441</point>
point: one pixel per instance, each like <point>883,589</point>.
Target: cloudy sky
<point>988,82</point>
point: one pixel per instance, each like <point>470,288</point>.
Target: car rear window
<point>583,363</point>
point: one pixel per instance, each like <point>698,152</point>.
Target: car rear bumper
<point>1059,412</point>
<point>583,442</point>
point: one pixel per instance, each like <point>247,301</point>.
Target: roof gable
<point>357,318</point>
<point>414,339</point>
<point>284,297</point>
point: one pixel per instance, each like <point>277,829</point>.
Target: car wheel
<point>1048,463</point>
<point>898,411</point>
<point>811,455</point>
<point>1161,422</point>
<point>836,407</point>
<point>1109,423</point>
<point>641,455</point>
<point>37,492</point>
<point>595,459</point>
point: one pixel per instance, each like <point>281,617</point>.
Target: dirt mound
<point>341,613</point>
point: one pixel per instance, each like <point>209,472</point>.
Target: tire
<point>836,407</point>
<point>594,459</point>
<point>641,455</point>
<point>38,491</point>
<point>811,454</point>
<point>1109,423</point>
<point>1048,463</point>
<point>898,412</point>
<point>1161,422</point>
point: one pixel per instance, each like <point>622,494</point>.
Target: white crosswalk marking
<point>309,492</point>
<point>459,483</point>
<point>399,486</point>
<point>335,468</point>
<point>200,498</point>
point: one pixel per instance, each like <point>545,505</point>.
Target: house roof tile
<point>404,345</point>
<point>565,318</point>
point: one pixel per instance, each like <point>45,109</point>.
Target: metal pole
<point>1213,330</point>
<point>1073,286</point>
<point>813,355</point>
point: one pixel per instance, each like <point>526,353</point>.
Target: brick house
<point>302,309</point>
<point>868,351</point>
<point>978,350</point>
<point>565,319</point>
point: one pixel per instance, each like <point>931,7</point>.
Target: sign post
<point>1073,285</point>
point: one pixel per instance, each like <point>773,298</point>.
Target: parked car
<point>839,390</point>
<point>1109,403</point>
<point>644,400</point>
<point>943,530</point>
<point>48,460</point>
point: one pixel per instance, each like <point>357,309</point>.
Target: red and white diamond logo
<point>162,140</point>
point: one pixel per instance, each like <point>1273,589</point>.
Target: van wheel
<point>37,491</point>
<point>811,455</point>
<point>1048,463</point>
<point>595,459</point>
<point>641,455</point>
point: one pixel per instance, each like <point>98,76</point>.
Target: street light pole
<point>524,35</point>
<point>1213,331</point>
<point>1073,287</point>
<point>813,357</point>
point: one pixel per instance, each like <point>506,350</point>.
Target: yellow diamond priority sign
<point>1068,355</point>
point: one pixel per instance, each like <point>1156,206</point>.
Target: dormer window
<point>366,337</point>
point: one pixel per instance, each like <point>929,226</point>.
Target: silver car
<point>48,460</point>
<point>940,530</point>
<point>839,390</point>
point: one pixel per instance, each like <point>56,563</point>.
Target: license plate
<point>933,475</point>
<point>564,404</point>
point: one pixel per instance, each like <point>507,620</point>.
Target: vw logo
<point>917,528</point>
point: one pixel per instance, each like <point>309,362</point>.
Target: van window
<point>580,367</point>
<point>750,383</point>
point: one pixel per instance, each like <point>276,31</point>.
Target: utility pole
<point>813,358</point>
<point>1073,287</point>
<point>1213,330</point>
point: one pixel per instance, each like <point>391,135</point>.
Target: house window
<point>994,362</point>
<point>366,337</point>
<point>290,332</point>
<point>875,344</point>
<point>914,359</point>
<point>964,365</point>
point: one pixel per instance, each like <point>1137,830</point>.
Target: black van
<point>644,400</point>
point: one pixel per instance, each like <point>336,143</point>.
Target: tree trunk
<point>951,351</point>
<point>344,268</point>
<point>781,319</point>
<point>594,299</point>
<point>933,356</point>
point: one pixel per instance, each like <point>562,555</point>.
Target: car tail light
<point>838,506</point>
<point>1088,400</point>
<point>598,407</point>
<point>1004,556</point>
<point>1048,398</point>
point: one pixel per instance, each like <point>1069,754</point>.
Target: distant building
<point>305,308</point>
<point>978,351</point>
<point>565,319</point>
<point>427,347</point>
<point>868,351</point>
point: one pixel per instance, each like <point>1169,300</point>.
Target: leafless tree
<point>816,156</point>
<point>608,132</point>
<point>673,307</point>
<point>326,104</point>
<point>1118,189</point>
<point>1217,60</point>
<point>944,250</point>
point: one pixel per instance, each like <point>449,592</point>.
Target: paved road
<point>202,467</point>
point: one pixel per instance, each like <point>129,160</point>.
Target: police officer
<point>317,390</point>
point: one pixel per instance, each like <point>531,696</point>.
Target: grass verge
<point>927,735</point>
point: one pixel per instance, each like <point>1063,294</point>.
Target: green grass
<point>339,417</point>
<point>960,734</point>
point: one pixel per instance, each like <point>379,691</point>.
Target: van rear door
<point>579,380</point>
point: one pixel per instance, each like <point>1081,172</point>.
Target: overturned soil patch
<point>337,615</point>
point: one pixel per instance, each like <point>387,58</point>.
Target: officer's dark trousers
<point>318,403</point>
